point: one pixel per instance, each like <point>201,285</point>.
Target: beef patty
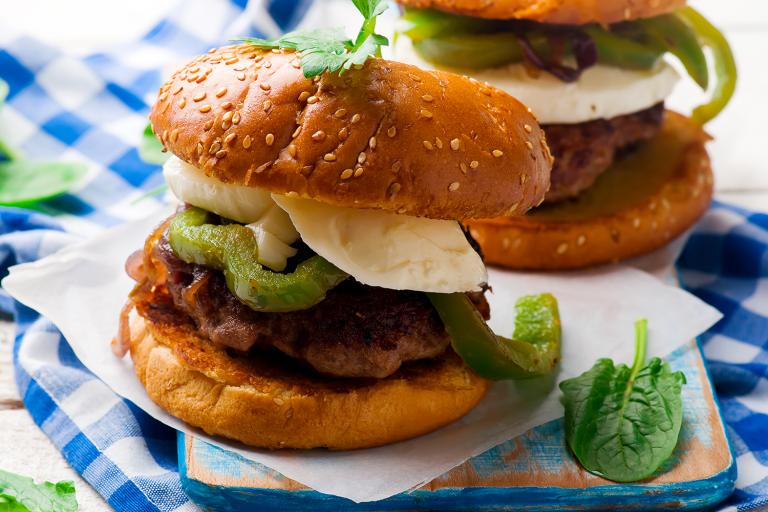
<point>357,331</point>
<point>583,151</point>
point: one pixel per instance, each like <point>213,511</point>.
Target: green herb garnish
<point>22,494</point>
<point>623,423</point>
<point>26,181</point>
<point>329,49</point>
<point>151,150</point>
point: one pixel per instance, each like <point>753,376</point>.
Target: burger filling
<point>598,90</point>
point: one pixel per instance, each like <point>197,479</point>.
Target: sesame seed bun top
<point>574,12</point>
<point>388,136</point>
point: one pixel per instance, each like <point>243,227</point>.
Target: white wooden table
<point>738,154</point>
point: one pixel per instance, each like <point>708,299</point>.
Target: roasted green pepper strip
<point>622,52</point>
<point>534,350</point>
<point>675,36</point>
<point>723,63</point>
<point>232,249</point>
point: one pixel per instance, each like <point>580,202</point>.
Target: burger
<point>629,176</point>
<point>315,287</point>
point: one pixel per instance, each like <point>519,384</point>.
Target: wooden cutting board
<point>532,472</point>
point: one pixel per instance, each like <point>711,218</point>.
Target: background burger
<point>316,287</point>
<point>628,176</point>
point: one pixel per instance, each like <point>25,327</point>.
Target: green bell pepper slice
<point>723,62</point>
<point>533,350</point>
<point>232,248</point>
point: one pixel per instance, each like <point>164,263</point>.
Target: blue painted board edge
<point>688,496</point>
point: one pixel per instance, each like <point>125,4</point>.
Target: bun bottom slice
<point>269,401</point>
<point>644,201</point>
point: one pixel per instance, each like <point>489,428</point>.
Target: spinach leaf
<point>151,149</point>
<point>22,494</point>
<point>623,423</point>
<point>27,181</point>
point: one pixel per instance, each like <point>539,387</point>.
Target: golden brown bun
<point>268,403</point>
<point>389,136</point>
<point>637,206</point>
<point>574,12</point>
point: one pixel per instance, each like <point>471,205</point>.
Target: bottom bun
<point>644,201</point>
<point>272,402</point>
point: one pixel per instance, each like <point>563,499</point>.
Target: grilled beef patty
<point>583,151</point>
<point>357,331</point>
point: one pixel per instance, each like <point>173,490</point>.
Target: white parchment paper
<point>82,288</point>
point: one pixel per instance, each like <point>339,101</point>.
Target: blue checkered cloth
<point>93,109</point>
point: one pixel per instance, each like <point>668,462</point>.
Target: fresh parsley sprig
<point>329,49</point>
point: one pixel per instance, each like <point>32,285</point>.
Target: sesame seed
<point>292,193</point>
<point>455,144</point>
<point>175,135</point>
<point>474,164</point>
<point>340,113</point>
<point>208,125</point>
<point>303,96</point>
<point>355,118</point>
<point>426,113</point>
<point>581,240</point>
<point>229,139</point>
<point>199,96</point>
<point>312,100</point>
<point>528,128</point>
<point>505,243</point>
<point>485,91</point>
<point>428,98</point>
<point>241,76</point>
<point>513,208</point>
<point>215,147</point>
<point>463,167</point>
<point>296,132</point>
<point>205,108</point>
<point>439,143</point>
<point>227,117</point>
<point>329,157</point>
<point>529,144</point>
<point>227,105</point>
<point>236,118</point>
<point>358,172</point>
<point>246,141</point>
<point>194,69</point>
<point>269,139</point>
<point>372,142</point>
<point>164,136</point>
<point>178,89</point>
<point>241,67</point>
<point>292,150</point>
<point>182,102</point>
<point>361,157</point>
<point>392,132</point>
<point>347,174</point>
<point>201,78</point>
<point>393,189</point>
<point>562,248</point>
<point>427,145</point>
<point>498,153</point>
<point>296,64</point>
<point>397,166</point>
<point>265,87</point>
<point>221,154</point>
<point>636,222</point>
<point>343,133</point>
<point>267,105</point>
<point>523,178</point>
<point>200,148</point>
<point>453,187</point>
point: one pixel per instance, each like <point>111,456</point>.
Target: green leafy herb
<point>151,149</point>
<point>329,49</point>
<point>22,494</point>
<point>623,423</point>
<point>26,181</point>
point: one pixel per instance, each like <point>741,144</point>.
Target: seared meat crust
<point>584,151</point>
<point>357,331</point>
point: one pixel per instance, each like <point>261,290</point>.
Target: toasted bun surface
<point>640,204</point>
<point>267,403</point>
<point>573,12</point>
<point>388,136</point>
